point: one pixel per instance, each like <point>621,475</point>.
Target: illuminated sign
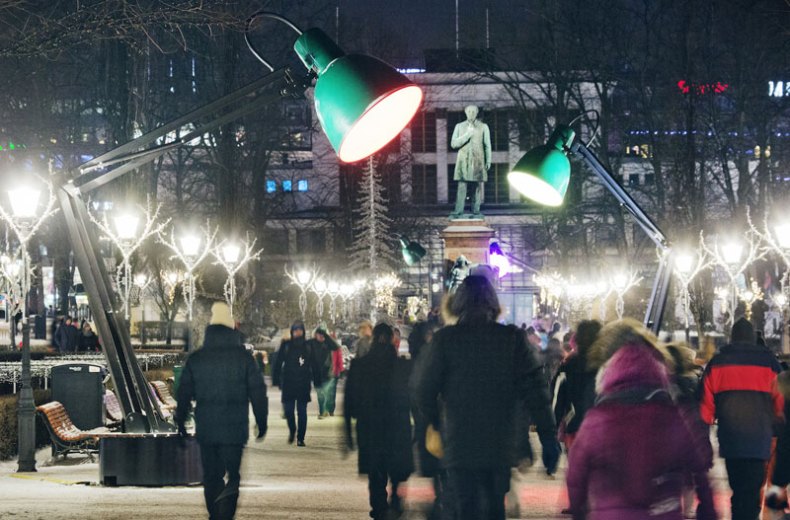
<point>702,88</point>
<point>779,88</point>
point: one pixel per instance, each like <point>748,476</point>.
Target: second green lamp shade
<point>543,173</point>
<point>362,103</point>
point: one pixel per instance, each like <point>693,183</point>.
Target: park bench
<point>163,392</point>
<point>65,436</point>
<point>113,415</point>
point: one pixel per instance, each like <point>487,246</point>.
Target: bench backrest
<point>60,422</point>
<point>112,407</point>
<point>164,393</point>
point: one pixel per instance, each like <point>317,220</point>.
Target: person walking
<point>480,371</point>
<point>329,360</point>
<point>223,380</point>
<point>430,466</point>
<point>740,391</point>
<point>362,345</point>
<point>633,449</point>
<point>293,370</point>
<point>377,396</point>
<point>89,341</point>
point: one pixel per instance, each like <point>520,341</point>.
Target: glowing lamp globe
<point>190,245</point>
<point>684,263</point>
<point>303,277</point>
<point>362,103</point>
<point>783,235</point>
<point>24,202</point>
<point>320,285</point>
<point>230,253</point>
<point>126,226</point>
<point>544,172</point>
<point>732,252</point>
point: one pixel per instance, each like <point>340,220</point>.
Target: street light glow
<point>24,201</point>
<point>780,300</point>
<point>320,285</point>
<point>783,235</point>
<point>303,277</point>
<point>684,262</point>
<point>732,252</point>
<point>230,253</point>
<point>126,226</point>
<point>190,245</point>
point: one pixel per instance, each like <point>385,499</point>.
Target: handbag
<point>433,442</point>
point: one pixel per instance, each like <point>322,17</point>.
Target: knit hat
<point>220,315</point>
<point>298,324</point>
<point>742,332</point>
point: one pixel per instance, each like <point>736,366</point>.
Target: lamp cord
<point>273,16</point>
<point>597,128</point>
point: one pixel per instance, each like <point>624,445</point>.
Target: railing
<point>11,372</point>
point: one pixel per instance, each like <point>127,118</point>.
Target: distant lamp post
<point>319,288</point>
<point>778,243</point>
<point>142,281</point>
<point>622,283</point>
<point>734,258</point>
<point>688,265</point>
<point>333,289</point>
<point>304,280</point>
<point>24,222</point>
<point>190,249</point>
<point>128,238</point>
<point>233,256</point>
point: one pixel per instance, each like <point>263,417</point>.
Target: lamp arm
<point>255,96</point>
<point>658,296</point>
<point>626,201</point>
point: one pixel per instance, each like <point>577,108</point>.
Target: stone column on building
<point>441,157</point>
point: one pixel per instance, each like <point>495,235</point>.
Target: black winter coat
<point>222,378</point>
<point>377,396</point>
<point>577,392</point>
<point>294,369</point>
<point>481,370</point>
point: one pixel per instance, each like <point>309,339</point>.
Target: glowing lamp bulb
<point>230,253</point>
<point>126,226</point>
<point>303,277</point>
<point>190,245</point>
<point>24,202</point>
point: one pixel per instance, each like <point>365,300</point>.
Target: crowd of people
<point>632,414</point>
<point>70,336</point>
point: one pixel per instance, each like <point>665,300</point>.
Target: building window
<point>275,241</point>
<point>301,185</point>
<point>632,179</point>
<point>423,132</point>
<point>498,125</point>
<point>650,179</point>
<point>423,184</point>
<point>271,186</point>
<point>497,189</point>
<point>531,129</point>
<point>310,241</point>
<point>287,186</point>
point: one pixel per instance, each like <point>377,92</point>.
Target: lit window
<point>271,186</point>
<point>287,185</point>
<point>301,185</point>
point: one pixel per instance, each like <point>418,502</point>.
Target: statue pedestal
<point>468,237</point>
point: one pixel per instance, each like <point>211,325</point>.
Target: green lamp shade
<point>412,252</point>
<point>362,103</point>
<point>544,172</point>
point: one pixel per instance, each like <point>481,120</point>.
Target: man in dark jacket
<point>222,378</point>
<point>377,396</point>
<point>323,347</point>
<point>293,370</point>
<point>740,390</point>
<point>481,371</point>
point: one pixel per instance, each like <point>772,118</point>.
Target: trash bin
<point>40,327</point>
<point>176,377</point>
<point>78,387</point>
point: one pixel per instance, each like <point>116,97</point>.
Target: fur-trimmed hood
<point>615,335</point>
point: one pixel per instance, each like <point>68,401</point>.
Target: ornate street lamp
<point>304,280</point>
<point>24,222</point>
<point>233,256</point>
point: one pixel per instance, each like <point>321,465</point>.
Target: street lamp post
<point>304,280</point>
<point>190,250</point>
<point>127,239</point>
<point>24,222</point>
<point>142,281</point>
<point>319,288</point>
<point>233,256</point>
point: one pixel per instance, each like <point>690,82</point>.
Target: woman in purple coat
<point>634,451</point>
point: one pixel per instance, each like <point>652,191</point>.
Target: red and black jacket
<point>739,389</point>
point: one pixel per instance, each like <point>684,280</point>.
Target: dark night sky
<point>424,24</point>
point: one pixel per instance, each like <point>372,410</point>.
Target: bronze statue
<point>472,139</point>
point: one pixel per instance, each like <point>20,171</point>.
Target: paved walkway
<point>279,481</point>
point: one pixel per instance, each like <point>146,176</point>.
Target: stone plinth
<point>468,237</point>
